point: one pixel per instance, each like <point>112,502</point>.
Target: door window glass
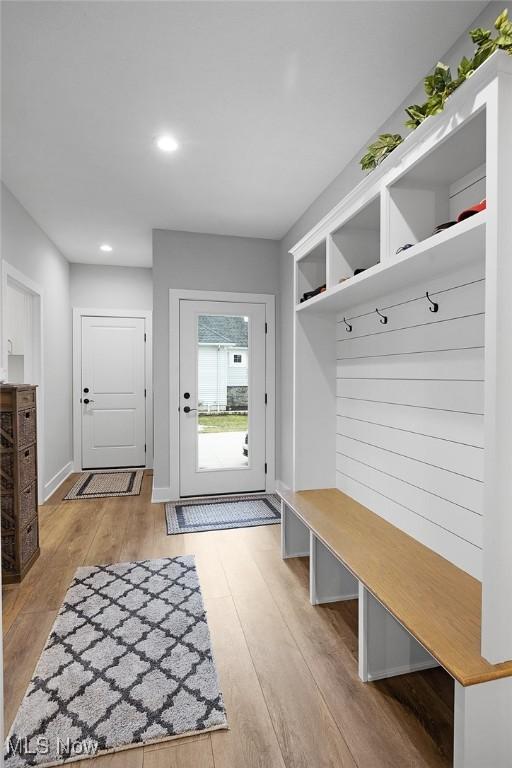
<point>222,392</point>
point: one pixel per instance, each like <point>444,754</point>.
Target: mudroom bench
<point>416,610</point>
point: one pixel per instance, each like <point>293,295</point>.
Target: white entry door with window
<point>222,397</point>
<point>112,395</point>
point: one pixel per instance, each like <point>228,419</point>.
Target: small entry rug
<point>128,663</point>
<point>99,485</point>
<point>220,513</point>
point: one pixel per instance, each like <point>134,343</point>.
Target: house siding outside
<point>216,374</point>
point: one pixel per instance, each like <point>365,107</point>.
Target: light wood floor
<point>288,670</point>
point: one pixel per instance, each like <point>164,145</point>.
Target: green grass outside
<point>224,423</point>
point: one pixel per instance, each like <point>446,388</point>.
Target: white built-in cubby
<point>411,414</point>
<point>436,189</point>
<point>355,244</point>
<point>311,270</point>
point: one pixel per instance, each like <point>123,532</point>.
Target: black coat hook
<point>383,318</point>
<point>349,327</point>
<point>435,306</point>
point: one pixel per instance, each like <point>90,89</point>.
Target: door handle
<point>87,401</point>
<point>187,409</point>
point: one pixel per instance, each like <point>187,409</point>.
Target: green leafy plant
<point>380,149</point>
<point>486,45</point>
<point>439,86</point>
<point>416,113</point>
<point>504,27</point>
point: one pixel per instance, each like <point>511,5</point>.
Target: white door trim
<point>12,275</point>
<point>78,313</point>
<point>175,295</point>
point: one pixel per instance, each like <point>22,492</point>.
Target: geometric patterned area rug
<point>128,663</point>
<point>220,513</point>
<point>99,485</point>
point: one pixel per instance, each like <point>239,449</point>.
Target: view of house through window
<point>223,391</point>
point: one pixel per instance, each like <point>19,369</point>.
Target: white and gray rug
<point>220,513</point>
<point>128,662</point>
<point>99,485</point>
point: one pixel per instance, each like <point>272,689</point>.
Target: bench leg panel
<point>329,580</point>
<point>483,725</point>
<point>386,649</point>
<point>294,534</point>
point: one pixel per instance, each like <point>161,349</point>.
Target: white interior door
<point>113,392</point>
<point>222,397</point>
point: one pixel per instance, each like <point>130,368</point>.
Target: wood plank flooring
<point>288,670</point>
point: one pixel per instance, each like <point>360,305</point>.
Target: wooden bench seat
<point>439,604</point>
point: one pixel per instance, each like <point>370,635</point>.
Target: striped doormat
<point>99,485</point>
<point>220,513</point>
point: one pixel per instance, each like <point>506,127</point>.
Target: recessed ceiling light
<point>106,248</point>
<point>167,143</point>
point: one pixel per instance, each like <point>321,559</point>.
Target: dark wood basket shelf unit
<point>18,480</point>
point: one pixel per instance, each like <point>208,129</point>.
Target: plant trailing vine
<point>439,86</point>
<point>380,149</point>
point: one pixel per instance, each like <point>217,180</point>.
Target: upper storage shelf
<point>437,190</point>
<point>415,199</point>
<point>311,272</point>
<point>444,252</point>
<point>355,245</point>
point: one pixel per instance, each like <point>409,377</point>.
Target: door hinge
<point>145,392</point>
<point>266,398</point>
<point>145,448</point>
<point>145,337</point>
<point>265,467</point>
<point>266,327</point>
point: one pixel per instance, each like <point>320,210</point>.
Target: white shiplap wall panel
<point>464,554</point>
<point>467,364</point>
<point>455,457</point>
<point>463,396</point>
<point>458,489</point>
<point>433,335</point>
<point>458,520</point>
<point>410,402</point>
<point>468,191</point>
<point>444,425</point>
<point>467,299</point>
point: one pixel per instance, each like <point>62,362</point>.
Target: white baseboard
<point>161,494</point>
<point>395,671</point>
<point>165,494</point>
<point>51,486</point>
<point>280,486</point>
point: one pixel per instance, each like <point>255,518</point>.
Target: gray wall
<point>200,262</point>
<point>103,287</point>
<point>342,184</point>
<point>27,248</point>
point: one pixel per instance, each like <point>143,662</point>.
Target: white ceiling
<point>269,100</point>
